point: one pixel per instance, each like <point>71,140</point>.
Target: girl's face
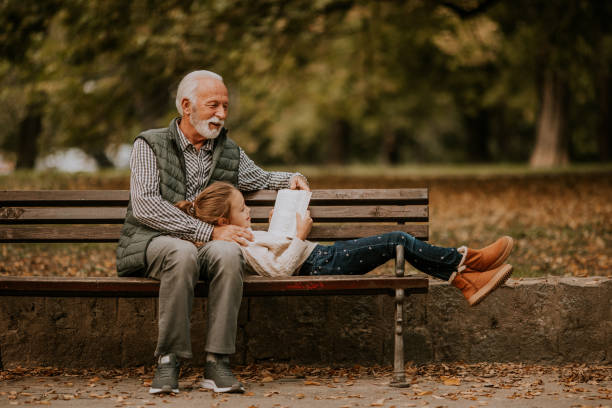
<point>240,214</point>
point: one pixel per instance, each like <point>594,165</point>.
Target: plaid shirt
<point>152,210</point>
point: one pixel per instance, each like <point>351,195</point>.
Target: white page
<point>288,203</point>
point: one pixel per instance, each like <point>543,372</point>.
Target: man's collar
<point>185,143</point>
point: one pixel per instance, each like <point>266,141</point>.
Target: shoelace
<point>165,371</point>
<point>224,371</point>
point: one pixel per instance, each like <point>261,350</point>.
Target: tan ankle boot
<point>475,286</point>
<point>487,258</point>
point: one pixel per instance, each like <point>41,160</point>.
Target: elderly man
<point>173,164</point>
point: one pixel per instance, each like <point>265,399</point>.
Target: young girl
<point>476,272</point>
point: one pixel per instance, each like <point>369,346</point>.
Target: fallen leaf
<point>378,403</point>
<point>451,381</point>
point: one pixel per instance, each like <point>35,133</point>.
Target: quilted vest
<point>135,237</point>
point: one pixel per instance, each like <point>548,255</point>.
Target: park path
<point>513,385</point>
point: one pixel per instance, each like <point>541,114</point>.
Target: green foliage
<point>329,81</point>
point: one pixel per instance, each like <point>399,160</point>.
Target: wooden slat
<point>319,285</point>
<point>350,196</point>
<point>63,215</point>
<point>64,197</point>
<point>322,232</point>
<point>60,233</point>
<point>264,197</point>
<point>112,215</point>
<point>253,286</point>
<point>110,233</point>
<point>352,213</point>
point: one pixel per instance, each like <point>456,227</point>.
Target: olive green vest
<point>135,237</point>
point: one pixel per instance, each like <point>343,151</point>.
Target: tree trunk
<point>551,148</point>
<point>102,159</point>
<point>478,137</point>
<point>390,147</point>
<point>604,129</point>
<point>29,132</point>
<point>339,140</point>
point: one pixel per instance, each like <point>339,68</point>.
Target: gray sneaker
<point>166,375</point>
<point>219,378</point>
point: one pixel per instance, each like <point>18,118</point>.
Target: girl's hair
<point>212,204</point>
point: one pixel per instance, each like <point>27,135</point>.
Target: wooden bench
<point>97,216</point>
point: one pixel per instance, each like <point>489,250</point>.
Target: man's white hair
<point>189,84</point>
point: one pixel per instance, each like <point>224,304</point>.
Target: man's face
<point>209,111</point>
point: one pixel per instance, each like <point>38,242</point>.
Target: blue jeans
<point>359,256</point>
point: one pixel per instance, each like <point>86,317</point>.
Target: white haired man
<point>173,164</point>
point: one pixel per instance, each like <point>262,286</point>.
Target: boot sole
<point>211,385</point>
<point>166,389</point>
<point>495,282</point>
<point>502,258</point>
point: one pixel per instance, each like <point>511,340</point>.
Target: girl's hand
<point>304,225</point>
<point>270,215</point>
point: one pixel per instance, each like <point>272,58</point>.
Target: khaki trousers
<point>178,265</point>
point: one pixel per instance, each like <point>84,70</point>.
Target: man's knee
<point>184,252</point>
<point>222,256</point>
<point>222,251</point>
<point>173,255</point>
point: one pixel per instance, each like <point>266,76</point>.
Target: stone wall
<point>554,320</point>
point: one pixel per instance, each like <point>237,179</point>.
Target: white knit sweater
<point>274,255</point>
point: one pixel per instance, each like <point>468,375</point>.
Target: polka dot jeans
<point>359,256</point>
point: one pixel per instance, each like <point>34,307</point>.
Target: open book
<point>288,202</point>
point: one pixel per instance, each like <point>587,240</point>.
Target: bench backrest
<point>97,215</point>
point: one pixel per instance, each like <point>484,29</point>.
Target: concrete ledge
<point>544,320</point>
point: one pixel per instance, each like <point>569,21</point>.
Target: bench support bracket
<point>399,373</point>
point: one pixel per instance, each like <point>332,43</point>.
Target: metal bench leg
<point>399,374</point>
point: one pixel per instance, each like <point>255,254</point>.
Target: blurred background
<point>319,82</point>
<point>502,108</point>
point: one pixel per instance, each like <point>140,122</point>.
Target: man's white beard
<point>202,126</point>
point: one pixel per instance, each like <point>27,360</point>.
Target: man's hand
<point>232,233</point>
<point>299,182</point>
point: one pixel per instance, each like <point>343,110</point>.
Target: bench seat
<point>53,286</point>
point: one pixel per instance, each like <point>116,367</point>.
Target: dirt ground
<point>278,385</point>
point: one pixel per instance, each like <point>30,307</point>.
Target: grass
<point>448,170</point>
<point>119,179</point>
<point>560,219</point>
